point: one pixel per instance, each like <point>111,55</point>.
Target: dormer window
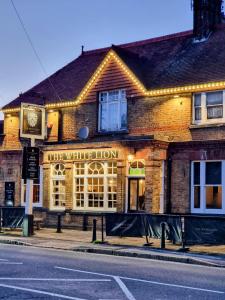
<point>112,111</point>
<point>208,108</point>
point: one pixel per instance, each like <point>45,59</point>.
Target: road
<point>37,273</point>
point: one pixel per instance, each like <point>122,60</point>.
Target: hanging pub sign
<point>32,121</point>
<point>9,193</point>
<point>30,163</point>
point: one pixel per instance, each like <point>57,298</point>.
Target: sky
<point>58,29</point>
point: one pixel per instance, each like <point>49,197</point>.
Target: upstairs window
<point>112,110</point>
<point>209,107</point>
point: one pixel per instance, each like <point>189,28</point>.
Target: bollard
<point>59,224</point>
<point>102,229</point>
<point>1,219</point>
<point>94,236</point>
<point>183,248</point>
<point>163,235</point>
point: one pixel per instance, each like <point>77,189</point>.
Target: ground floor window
<point>208,187</point>
<point>95,186</point>
<point>37,190</point>
<point>58,193</point>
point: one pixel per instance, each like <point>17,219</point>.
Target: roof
<point>163,62</point>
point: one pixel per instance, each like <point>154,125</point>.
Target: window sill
<point>196,126</point>
<point>101,133</point>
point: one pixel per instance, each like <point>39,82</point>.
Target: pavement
<point>80,241</point>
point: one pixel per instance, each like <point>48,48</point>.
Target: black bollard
<point>94,235</point>
<point>1,220</point>
<point>102,229</point>
<point>59,224</point>
<point>163,237</point>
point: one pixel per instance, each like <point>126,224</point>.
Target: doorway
<point>136,194</point>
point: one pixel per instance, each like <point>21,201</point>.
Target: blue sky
<point>58,28</point>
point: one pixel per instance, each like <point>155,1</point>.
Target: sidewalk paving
<point>80,241</point>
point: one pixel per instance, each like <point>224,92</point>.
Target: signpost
<point>32,126</point>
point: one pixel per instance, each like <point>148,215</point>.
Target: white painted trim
<point>204,120</point>
<point>203,209</point>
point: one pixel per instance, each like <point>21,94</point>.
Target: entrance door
<point>136,194</point>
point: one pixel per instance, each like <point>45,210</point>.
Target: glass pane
<point>214,112</point>
<point>123,112</point>
<point>113,116</point>
<point>197,100</point>
<point>197,173</point>
<point>213,197</point>
<point>114,95</point>
<point>103,116</point>
<point>103,96</point>
<point>133,194</point>
<point>198,113</point>
<point>141,194</point>
<point>214,98</point>
<point>197,197</point>
<point>213,173</point>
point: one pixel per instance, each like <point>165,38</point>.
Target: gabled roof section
<point>159,66</point>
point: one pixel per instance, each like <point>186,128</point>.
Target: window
<point>37,190</point>
<point>58,195</point>
<point>95,186</point>
<point>137,168</point>
<point>209,107</point>
<point>112,110</point>
<point>208,179</point>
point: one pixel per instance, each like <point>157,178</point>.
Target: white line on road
<point>10,263</point>
<point>54,279</point>
<point>39,292</point>
<point>1,259</point>
<point>124,288</point>
<point>145,281</point>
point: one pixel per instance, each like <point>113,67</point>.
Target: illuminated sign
<point>83,155</point>
<point>32,121</point>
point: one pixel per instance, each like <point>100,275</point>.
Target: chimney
<point>207,15</point>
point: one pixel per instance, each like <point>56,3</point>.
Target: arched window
<point>58,195</point>
<point>137,168</point>
<point>58,170</point>
<point>95,168</point>
<point>95,185</point>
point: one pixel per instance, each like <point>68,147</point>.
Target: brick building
<point>155,112</point>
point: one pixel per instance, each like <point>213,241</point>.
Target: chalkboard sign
<point>30,163</point>
<point>9,193</point>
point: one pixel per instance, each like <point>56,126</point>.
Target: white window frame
<point>56,177</point>
<point>40,203</point>
<point>120,100</point>
<point>85,176</point>
<point>203,209</point>
<point>204,120</point>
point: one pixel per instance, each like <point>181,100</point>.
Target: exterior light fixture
<point>130,157</point>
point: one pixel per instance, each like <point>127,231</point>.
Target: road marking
<point>145,281</point>
<point>54,279</point>
<point>40,292</point>
<point>10,263</point>
<point>124,288</point>
<point>1,259</point>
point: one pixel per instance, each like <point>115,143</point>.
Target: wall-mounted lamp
<point>130,157</point>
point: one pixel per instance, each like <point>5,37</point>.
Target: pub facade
<point>134,127</point>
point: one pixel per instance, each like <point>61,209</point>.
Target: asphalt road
<point>35,273</point>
